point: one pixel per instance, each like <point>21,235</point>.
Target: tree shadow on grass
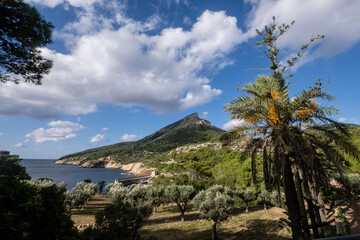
<point>254,229</point>
<point>252,208</point>
<point>177,234</point>
<point>263,229</point>
<point>172,208</point>
<point>176,218</point>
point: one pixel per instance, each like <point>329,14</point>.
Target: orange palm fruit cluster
<point>304,113</point>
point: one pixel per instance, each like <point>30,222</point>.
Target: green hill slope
<point>189,130</point>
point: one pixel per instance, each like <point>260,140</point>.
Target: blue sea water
<point>46,168</point>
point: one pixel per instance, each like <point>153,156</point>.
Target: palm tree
<point>287,132</point>
<point>290,134</point>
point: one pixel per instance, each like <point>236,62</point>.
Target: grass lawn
<point>166,224</point>
<point>257,224</point>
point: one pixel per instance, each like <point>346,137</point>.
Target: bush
<point>118,221</point>
<point>34,210</point>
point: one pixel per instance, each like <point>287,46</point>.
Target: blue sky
<point>124,69</point>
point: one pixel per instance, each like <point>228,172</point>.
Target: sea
<point>70,174</point>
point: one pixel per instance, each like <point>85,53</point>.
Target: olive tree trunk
<point>182,216</point>
<point>213,230</point>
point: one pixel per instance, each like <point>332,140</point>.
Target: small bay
<point>46,168</point>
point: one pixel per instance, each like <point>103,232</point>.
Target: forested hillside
<point>189,130</point>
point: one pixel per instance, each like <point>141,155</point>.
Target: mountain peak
<point>193,115</point>
<point>189,130</point>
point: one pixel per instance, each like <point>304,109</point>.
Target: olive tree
<point>265,197</point>
<point>215,204</point>
<point>247,196</point>
<point>156,194</point>
<point>116,191</point>
<point>81,193</point>
<point>121,219</point>
<point>181,195</point>
<point>278,200</point>
<point>109,186</point>
<point>139,197</point>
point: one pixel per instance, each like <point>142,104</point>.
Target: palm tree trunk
<point>313,218</point>
<point>311,208</point>
<point>292,202</point>
<point>318,218</point>
<point>277,171</point>
<point>317,213</point>
<point>322,207</point>
<point>253,167</point>
<point>309,201</point>
<point>319,198</point>
<point>303,214</point>
<point>266,170</point>
<point>213,230</point>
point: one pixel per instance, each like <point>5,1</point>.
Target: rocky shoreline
<point>135,169</point>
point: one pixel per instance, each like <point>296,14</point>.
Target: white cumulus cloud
<point>20,145</point>
<point>128,137</point>
<point>113,59</point>
<point>342,119</point>
<point>104,129</point>
<point>73,3</point>
<point>126,66</point>
<point>348,120</point>
<point>48,3</point>
<point>232,124</point>
<point>204,114</point>
<point>58,131</point>
<point>337,20</point>
<point>98,138</point>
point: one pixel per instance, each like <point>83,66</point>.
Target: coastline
<point>135,169</point>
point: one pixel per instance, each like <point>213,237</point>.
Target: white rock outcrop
<point>136,169</point>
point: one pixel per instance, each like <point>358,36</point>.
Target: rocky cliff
<point>136,169</point>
